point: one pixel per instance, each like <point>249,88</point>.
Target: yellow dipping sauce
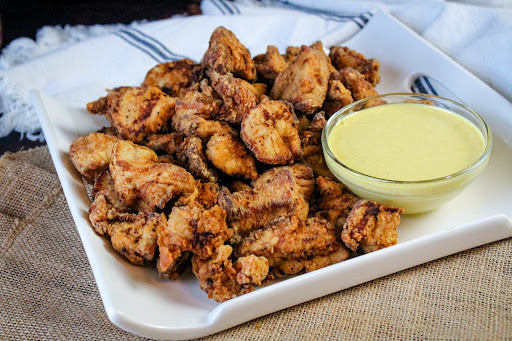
<point>406,142</point>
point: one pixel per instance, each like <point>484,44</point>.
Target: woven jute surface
<point>47,290</point>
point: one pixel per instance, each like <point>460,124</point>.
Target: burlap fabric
<point>48,291</point>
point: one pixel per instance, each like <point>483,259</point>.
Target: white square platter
<point>136,300</point>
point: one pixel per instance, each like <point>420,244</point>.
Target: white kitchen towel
<point>76,64</point>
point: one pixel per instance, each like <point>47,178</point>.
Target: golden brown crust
<point>313,154</point>
<point>304,82</point>
<point>135,112</point>
<point>371,226</point>
<point>172,76</point>
<point>167,143</point>
<point>143,183</point>
<point>277,197</point>
<point>190,154</point>
<point>333,200</point>
<point>338,96</point>
<point>269,64</point>
<point>227,153</point>
<point>342,57</point>
<point>270,131</point>
<point>355,82</point>
<point>302,174</point>
<point>91,154</point>
<point>226,54</point>
<point>132,234</point>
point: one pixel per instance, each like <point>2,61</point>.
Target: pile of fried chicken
<point>219,165</point>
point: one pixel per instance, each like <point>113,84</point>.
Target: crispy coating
<point>167,143</point>
<point>338,96</point>
<point>190,154</point>
<point>269,64</point>
<point>208,194</point>
<point>200,102</point>
<point>290,244</point>
<point>355,82</point>
<point>269,130</point>
<point>342,57</point>
<point>143,183</point>
<point>318,122</point>
<point>104,185</point>
<point>227,153</point>
<point>238,96</point>
<point>238,186</point>
<point>194,125</point>
<point>226,54</point>
<point>292,266</point>
<point>191,228</point>
<point>222,280</point>
<point>313,154</point>
<point>278,197</point>
<point>291,54</point>
<point>304,82</point>
<point>135,112</point>
<point>91,154</point>
<point>172,76</point>
<point>333,200</point>
<point>371,226</point>
<point>132,234</point>
<point>302,174</point>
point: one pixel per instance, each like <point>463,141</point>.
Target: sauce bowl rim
<point>485,154</point>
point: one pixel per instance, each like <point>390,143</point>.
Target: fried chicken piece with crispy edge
<point>208,194</point>
<point>313,154</point>
<point>191,228</point>
<point>291,54</point>
<point>222,279</point>
<point>238,97</point>
<point>143,183</point>
<point>173,76</point>
<point>227,153</point>
<point>135,112</point>
<point>269,64</point>
<point>226,54</point>
<point>342,57</point>
<point>190,154</point>
<point>302,174</point>
<point>132,234</point>
<point>91,154</point>
<point>104,185</point>
<point>371,226</point>
<point>333,201</point>
<point>291,245</point>
<point>338,96</point>
<point>304,82</point>
<point>318,122</point>
<point>269,130</point>
<point>201,101</point>
<point>355,82</point>
<point>278,197</point>
<point>238,186</point>
<point>167,143</point>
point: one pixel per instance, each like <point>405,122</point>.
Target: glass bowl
<point>413,196</point>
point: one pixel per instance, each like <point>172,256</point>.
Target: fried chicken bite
<point>201,101</point>
<point>313,154</point>
<point>291,54</point>
<point>135,112</point>
<point>193,125</point>
<point>304,82</point>
<point>238,97</point>
<point>302,174</point>
<point>91,154</point>
<point>208,194</point>
<point>291,245</point>
<point>104,185</point>
<point>318,122</point>
<point>167,143</point>
<point>227,153</point>
<point>371,226</point>
<point>269,64</point>
<point>355,82</point>
<point>338,96</point>
<point>222,280</point>
<point>279,196</point>
<point>173,76</point>
<point>342,57</point>
<point>333,200</point>
<point>132,234</point>
<point>190,154</point>
<point>269,130</point>
<point>226,54</point>
<point>191,228</point>
<point>143,183</point>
